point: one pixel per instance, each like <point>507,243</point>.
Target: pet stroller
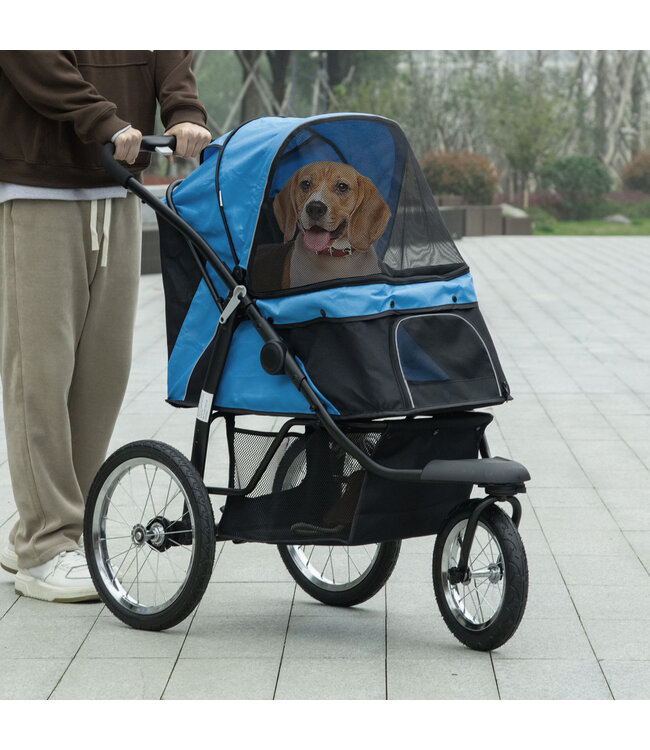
<point>376,375</point>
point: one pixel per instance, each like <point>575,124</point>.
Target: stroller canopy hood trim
<point>250,159</point>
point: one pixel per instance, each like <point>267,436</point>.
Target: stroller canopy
<point>380,310</point>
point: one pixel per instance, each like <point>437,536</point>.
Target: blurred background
<point>561,137</point>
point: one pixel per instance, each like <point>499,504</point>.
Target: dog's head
<point>330,201</point>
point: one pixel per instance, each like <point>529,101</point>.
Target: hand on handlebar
<point>127,145</point>
<point>191,139</point>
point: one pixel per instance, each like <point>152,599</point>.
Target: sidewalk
<point>571,321</point>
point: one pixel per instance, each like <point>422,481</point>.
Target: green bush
<point>636,174</point>
<point>470,175</point>
<point>581,182</point>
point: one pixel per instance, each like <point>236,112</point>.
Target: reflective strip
<point>205,406</point>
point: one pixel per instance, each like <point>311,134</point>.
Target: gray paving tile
<point>628,680</point>
<point>640,543</point>
<point>564,497</point>
<point>8,595</point>
<point>249,598</point>
<point>539,638</point>
<point>619,639</point>
<point>612,602</point>
<point>350,634</point>
<point>250,562</point>
<point>30,679</point>
<point>110,637</point>
<point>461,676</point>
<point>599,570</point>
<point>114,679</point>
<point>587,542</point>
<point>248,637</point>
<point>550,679</point>
<point>332,679</point>
<point>223,678</point>
<point>42,637</point>
<point>549,601</point>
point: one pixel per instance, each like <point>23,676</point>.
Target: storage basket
<point>313,492</point>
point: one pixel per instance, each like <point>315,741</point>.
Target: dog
<point>339,214</point>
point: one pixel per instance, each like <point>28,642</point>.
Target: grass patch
<point>592,228</point>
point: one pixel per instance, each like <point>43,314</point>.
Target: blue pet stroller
<point>364,333</point>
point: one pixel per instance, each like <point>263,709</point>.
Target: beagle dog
<point>339,213</point>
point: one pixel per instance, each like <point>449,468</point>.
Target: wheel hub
<point>138,535</point>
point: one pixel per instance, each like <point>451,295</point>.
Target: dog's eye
<point>305,185</point>
<point>342,187</point>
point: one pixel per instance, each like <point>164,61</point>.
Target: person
<point>69,274</point>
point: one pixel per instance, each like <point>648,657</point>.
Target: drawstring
<point>93,227</point>
<point>105,231</point>
<point>94,239</point>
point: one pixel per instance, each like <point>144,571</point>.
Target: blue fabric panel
<point>196,333</point>
<point>369,299</point>
<point>245,385</point>
<point>417,365</point>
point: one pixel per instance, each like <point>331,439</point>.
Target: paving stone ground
<point>571,321</point>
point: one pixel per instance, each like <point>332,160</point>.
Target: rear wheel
<point>483,611</point>
<point>337,575</point>
<point>149,535</point>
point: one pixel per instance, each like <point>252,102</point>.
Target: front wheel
<point>149,535</point>
<point>483,611</point>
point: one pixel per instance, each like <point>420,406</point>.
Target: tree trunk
<point>279,61</point>
<point>251,102</point>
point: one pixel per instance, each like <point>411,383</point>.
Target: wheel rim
<point>143,536</point>
<point>477,602</point>
<point>336,567</point>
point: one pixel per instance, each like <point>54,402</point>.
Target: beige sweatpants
<point>69,275</point>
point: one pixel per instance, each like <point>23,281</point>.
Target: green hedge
<point>470,175</point>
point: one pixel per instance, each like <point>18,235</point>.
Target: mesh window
<point>347,200</point>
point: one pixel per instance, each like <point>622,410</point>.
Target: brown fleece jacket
<point>58,108</point>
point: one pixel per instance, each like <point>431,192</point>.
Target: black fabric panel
<point>181,277</point>
<point>398,510</point>
<point>355,363</point>
<point>350,364</point>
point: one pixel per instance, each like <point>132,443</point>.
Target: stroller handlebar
<point>164,144</point>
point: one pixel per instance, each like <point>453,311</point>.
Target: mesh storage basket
<point>313,492</point>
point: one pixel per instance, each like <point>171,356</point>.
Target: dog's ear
<point>369,218</point>
<point>285,210</point>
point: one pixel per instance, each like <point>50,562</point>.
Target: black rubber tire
<point>501,626</point>
<point>374,579</point>
<point>375,576</point>
<point>193,587</point>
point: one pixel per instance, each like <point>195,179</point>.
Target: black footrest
<point>481,471</point>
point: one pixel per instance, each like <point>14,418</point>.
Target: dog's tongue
<point>317,239</point>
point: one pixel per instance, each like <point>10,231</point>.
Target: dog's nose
<point>316,210</point>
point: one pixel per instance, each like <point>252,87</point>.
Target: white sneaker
<point>9,559</point>
<point>64,578</point>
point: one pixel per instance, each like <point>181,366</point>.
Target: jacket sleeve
<point>50,82</point>
<point>176,89</point>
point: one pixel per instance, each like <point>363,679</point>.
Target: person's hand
<point>191,139</point>
<point>127,145</point>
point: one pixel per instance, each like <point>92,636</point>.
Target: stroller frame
<point>502,479</point>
